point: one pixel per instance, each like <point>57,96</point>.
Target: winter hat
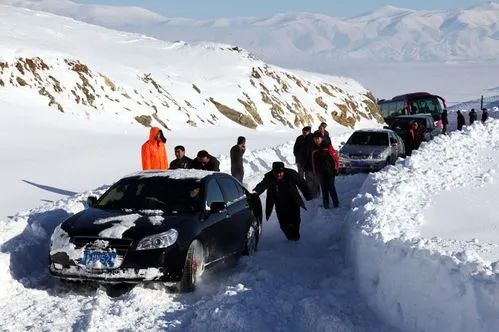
<point>277,166</point>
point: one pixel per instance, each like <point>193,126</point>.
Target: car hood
<point>117,224</point>
<point>363,149</point>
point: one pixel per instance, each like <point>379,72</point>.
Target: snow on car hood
<point>120,224</point>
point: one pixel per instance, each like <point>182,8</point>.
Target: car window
<point>213,193</point>
<point>229,189</point>
<point>155,193</point>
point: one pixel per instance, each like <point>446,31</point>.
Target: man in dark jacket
<point>236,159</point>
<point>281,185</point>
<point>181,161</point>
<point>325,164</point>
<point>485,115</point>
<point>445,122</point>
<point>460,120</point>
<point>301,149</point>
<point>206,162</point>
<point>325,134</point>
<point>473,116</point>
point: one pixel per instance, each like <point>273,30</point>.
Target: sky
<point>264,8</point>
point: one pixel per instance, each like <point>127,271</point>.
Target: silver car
<point>370,150</point>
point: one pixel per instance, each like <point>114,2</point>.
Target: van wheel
<point>193,268</point>
<point>252,237</point>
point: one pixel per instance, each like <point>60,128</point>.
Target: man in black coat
<point>460,120</point>
<point>473,116</point>
<point>206,162</point>
<point>485,115</point>
<point>282,191</point>
<point>181,161</point>
<point>325,134</point>
<point>301,150</point>
<point>236,159</point>
<point>325,163</point>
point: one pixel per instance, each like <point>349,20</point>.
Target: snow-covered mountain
<point>386,34</point>
<point>88,70</point>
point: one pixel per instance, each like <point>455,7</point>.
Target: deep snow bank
<point>419,284</point>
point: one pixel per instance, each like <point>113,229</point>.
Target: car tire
<point>193,268</point>
<point>252,238</point>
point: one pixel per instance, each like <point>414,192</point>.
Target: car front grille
<point>118,244</point>
<point>359,156</point>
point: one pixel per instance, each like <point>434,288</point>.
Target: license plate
<point>98,259</point>
<point>354,163</point>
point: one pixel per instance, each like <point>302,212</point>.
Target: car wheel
<point>252,237</point>
<point>193,267</point>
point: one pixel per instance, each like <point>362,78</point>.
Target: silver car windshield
<point>368,138</point>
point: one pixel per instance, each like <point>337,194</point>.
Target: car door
<point>215,224</point>
<point>401,145</point>
<point>238,208</point>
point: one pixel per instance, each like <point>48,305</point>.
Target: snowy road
<point>285,287</point>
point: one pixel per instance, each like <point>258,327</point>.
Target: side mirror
<point>218,207</point>
<point>91,200</point>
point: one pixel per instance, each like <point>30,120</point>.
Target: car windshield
<point>154,193</point>
<point>368,138</point>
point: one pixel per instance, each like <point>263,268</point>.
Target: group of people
<point>316,159</point>
<point>473,116</point>
<point>154,156</point>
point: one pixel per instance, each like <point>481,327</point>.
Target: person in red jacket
<point>325,165</point>
<point>154,151</point>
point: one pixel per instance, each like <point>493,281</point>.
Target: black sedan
<point>166,226</point>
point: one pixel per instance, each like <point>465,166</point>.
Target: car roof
<point>374,130</point>
<point>413,116</point>
<point>176,174</point>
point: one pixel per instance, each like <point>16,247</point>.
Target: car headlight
<point>162,240</point>
<point>381,155</point>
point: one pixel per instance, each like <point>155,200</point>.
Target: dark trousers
<point>328,189</point>
<point>312,183</point>
<point>238,174</point>
<point>301,171</point>
<point>289,220</point>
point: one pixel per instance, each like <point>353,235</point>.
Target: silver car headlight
<point>381,155</point>
<point>157,241</point>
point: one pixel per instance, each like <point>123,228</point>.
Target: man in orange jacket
<point>154,151</point>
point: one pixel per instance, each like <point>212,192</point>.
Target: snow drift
<point>420,284</point>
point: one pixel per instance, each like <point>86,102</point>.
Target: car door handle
<point>227,216</point>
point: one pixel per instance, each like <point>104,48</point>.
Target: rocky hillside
<point>88,70</point>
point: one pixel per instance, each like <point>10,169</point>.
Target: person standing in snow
<point>473,116</point>
<point>154,151</point>
<point>205,162</point>
<point>325,134</point>
<point>326,165</point>
<point>485,115</point>
<point>414,137</point>
<point>181,161</point>
<point>282,186</point>
<point>445,122</point>
<point>460,120</point>
<point>301,149</point>
<point>236,159</point>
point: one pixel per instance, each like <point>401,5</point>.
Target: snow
<point>176,174</point>
<point>124,223</point>
<point>414,269</point>
<point>286,286</point>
